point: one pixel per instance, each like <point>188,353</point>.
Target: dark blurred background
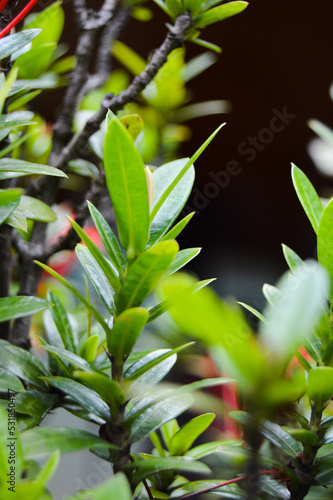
<point>276,59</point>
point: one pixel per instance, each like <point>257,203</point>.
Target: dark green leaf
<point>23,364</point>
<point>109,240</point>
<point>9,381</point>
<point>69,357</point>
<point>41,441</point>
<point>62,323</point>
<point>9,200</point>
<point>35,403</point>
<point>86,397</point>
<point>280,438</point>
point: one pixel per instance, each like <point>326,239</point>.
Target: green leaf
<point>159,203</point>
<point>9,200</point>
<point>77,294</point>
<point>41,441</point>
<point>320,385</point>
<point>23,364</point>
<point>145,468</point>
<point>110,391</point>
<point>175,7</point>
<point>280,438</point>
<point>125,332</point>
<point>252,310</point>
<point>21,101</point>
<point>16,307</point>
<point>9,381</point>
<point>35,62</point>
<point>96,276</point>
<point>308,197</point>
<point>145,273</point>
<point>126,181</point>
<point>133,124</point>
<point>4,91</point>
<point>188,433</point>
<point>83,167</point>
<point>17,220</point>
<point>118,485</point>
<point>230,491</point>
<point>86,397</point>
<point>219,13</point>
<point>272,294</point>
<point>13,43</point>
<point>128,58</point>
<point>105,264</point>
<point>292,259</point>
<point>109,240</point>
<point>181,259</point>
<point>178,228</point>
<point>62,323</point>
<point>69,357</point>
<point>214,447</point>
<point>304,435</point>
<point>158,414</point>
<point>88,349</point>
<point>16,168</point>
<point>35,209</point>
<point>298,311</point>
<point>150,361</point>
<point>175,200</point>
<point>325,240</point>
<point>35,403</point>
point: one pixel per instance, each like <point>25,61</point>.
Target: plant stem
<point>5,271</point>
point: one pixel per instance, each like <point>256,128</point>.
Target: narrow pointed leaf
<point>41,441</point>
<point>219,13</point>
<point>16,307</point>
<point>17,168</point>
<point>178,228</point>
<point>308,197</point>
<point>325,239</point>
<point>185,437</point>
<point>253,311</point>
<point>181,259</point>
<point>69,357</point>
<point>16,42</point>
<point>126,181</point>
<point>280,438</point>
<point>145,273</point>
<point>96,276</point>
<point>9,200</point>
<point>108,238</point>
<point>292,259</point>
<point>62,323</point>
<point>88,398</point>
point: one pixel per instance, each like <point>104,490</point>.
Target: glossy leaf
<point>126,181</point>
<point>105,264</point>
<point>35,403</point>
<point>181,259</point>
<point>9,381</point>
<point>125,332</point>
<point>62,323</point>
<point>23,364</point>
<point>9,200</point>
<point>88,349</point>
<point>69,357</point>
<point>109,390</point>
<point>176,199</point>
<point>308,197</point>
<point>10,167</point>
<point>185,437</point>
<point>178,228</point>
<point>77,294</point>
<point>214,447</point>
<point>41,441</point>
<point>325,239</point>
<point>145,273</point>
<point>96,276</point>
<point>292,259</point>
<point>158,414</point>
<point>109,240</point>
<point>86,397</point>
<point>219,13</point>
<point>16,307</point>
<point>150,361</point>
<point>17,41</point>
<point>280,438</point>
<point>298,311</point>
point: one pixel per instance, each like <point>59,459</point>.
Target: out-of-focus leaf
<point>9,200</point>
<point>292,259</point>
<point>10,167</point>
<point>325,239</point>
<point>128,58</point>
<point>181,259</point>
<point>280,438</point>
<point>35,209</point>
<point>83,167</point>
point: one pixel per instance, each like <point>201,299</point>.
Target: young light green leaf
<point>214,447</point>
<point>189,432</point>
<point>145,273</point>
<point>9,200</point>
<point>10,167</point>
<point>219,13</point>
<point>105,264</point>
<point>308,197</point>
<point>253,311</point>
<point>41,441</point>
<point>181,259</point>
<point>175,7</point>
<point>325,239</point>
<point>88,349</point>
<point>292,259</point>
<point>88,398</point>
<point>128,58</point>
<point>126,329</point>
<point>182,172</point>
<point>17,41</point>
<point>77,294</point>
<point>16,307</point>
<point>178,228</point>
<point>96,276</point>
<point>17,220</point>
<point>126,181</point>
<point>109,240</point>
<point>298,311</point>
